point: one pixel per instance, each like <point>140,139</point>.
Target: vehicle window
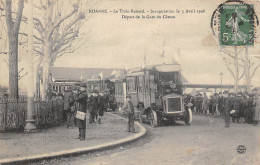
<point>131,84</point>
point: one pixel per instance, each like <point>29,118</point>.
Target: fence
<point>13,114</point>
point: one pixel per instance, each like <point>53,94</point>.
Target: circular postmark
<point>241,149</point>
<point>234,23</point>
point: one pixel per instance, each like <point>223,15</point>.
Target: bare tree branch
<point>3,52</point>
<point>65,52</point>
<point>39,24</point>
<point>43,6</point>
<point>254,71</point>
<point>19,15</point>
<point>20,77</point>
<point>75,6</point>
<point>241,50</point>
<point>242,75</point>
<point>33,36</point>
<point>20,70</point>
<point>228,67</point>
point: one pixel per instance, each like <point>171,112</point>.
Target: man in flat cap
<point>129,108</point>
<point>81,97</point>
<point>227,104</point>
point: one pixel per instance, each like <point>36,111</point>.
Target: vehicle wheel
<point>153,119</point>
<point>188,119</point>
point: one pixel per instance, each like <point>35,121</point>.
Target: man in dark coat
<point>129,108</point>
<point>68,103</point>
<point>112,102</point>
<point>211,104</point>
<point>237,105</point>
<point>227,104</point>
<point>93,106</point>
<point>220,104</point>
<point>82,98</point>
<point>101,106</point>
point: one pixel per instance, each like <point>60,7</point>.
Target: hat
<point>74,87</point>
<point>225,92</point>
<point>128,96</point>
<point>82,85</point>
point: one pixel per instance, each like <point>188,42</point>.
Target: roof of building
<point>63,73</point>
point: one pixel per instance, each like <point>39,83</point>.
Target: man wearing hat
<point>220,104</point>
<point>101,106</point>
<point>93,106</point>
<point>68,100</point>
<point>129,108</point>
<point>256,115</point>
<point>81,97</point>
<point>227,104</point>
<point>237,105</point>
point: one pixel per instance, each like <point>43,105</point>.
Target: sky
<point>113,42</point>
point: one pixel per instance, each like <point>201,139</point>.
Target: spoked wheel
<point>188,119</point>
<point>153,119</point>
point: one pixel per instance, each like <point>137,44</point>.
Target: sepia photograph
<point>130,82</point>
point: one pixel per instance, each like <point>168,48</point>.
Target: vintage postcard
<point>129,82</point>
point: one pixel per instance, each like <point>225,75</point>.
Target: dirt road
<point>206,141</point>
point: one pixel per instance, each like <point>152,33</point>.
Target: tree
<point>13,27</point>
<point>250,68</point>
<point>234,64</point>
<point>57,31</point>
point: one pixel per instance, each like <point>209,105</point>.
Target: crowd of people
<point>76,99</point>
<point>241,106</point>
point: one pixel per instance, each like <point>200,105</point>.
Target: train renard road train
<point>156,92</point>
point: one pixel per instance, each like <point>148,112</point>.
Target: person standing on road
<point>82,98</point>
<point>68,103</point>
<point>205,103</point>
<point>112,102</point>
<point>101,106</point>
<point>220,104</point>
<point>129,108</point>
<point>93,106</point>
<point>227,108</point>
<point>237,104</point>
<point>257,108</point>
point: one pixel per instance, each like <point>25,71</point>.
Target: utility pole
<point>30,126</point>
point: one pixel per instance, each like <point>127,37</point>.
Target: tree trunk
<point>247,71</point>
<point>46,69</point>
<point>13,32</point>
<point>47,49</point>
<point>236,71</point>
<point>13,68</point>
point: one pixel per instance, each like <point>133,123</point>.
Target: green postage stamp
<point>237,25</point>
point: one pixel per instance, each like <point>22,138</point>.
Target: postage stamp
<point>237,25</point>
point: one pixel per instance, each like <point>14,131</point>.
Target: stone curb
<point>78,151</point>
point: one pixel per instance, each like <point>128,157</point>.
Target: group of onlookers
<point>76,99</point>
<point>242,107</point>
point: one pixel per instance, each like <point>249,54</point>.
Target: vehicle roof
<point>159,67</point>
<point>172,95</point>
